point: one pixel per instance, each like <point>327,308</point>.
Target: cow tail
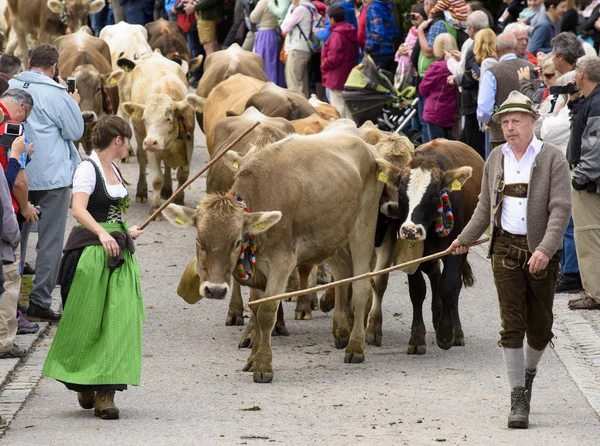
<point>468,279</point>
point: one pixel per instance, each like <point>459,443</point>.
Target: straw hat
<point>516,102</point>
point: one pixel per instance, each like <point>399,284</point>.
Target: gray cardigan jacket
<point>548,201</point>
<point>10,228</point>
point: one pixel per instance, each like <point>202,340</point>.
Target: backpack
<point>317,21</point>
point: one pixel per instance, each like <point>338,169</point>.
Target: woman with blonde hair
<point>439,112</point>
<point>485,50</point>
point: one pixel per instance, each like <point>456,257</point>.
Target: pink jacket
<point>339,55</point>
<point>440,98</point>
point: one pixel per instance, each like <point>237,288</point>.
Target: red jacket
<point>362,26</point>
<point>339,55</point>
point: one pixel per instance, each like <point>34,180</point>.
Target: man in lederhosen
<point>525,199</point>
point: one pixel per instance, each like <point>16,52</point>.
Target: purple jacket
<point>440,98</point>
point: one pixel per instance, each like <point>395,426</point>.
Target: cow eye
<point>237,245</point>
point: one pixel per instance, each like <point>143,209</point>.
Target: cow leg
<point>450,285</point>
<point>141,195</point>
<point>183,172</point>
<point>20,47</point>
<point>459,336</point>
<point>304,303</point>
<point>342,319</point>
<point>250,331</point>
<point>384,255</point>
<point>235,314</point>
<point>167,189</point>
<point>312,282</point>
<point>280,328</point>
<point>246,341</point>
<point>434,273</point>
<point>417,290</point>
<point>157,181</point>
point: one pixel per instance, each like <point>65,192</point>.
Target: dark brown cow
<point>437,166</point>
<point>87,59</point>
<point>42,19</point>
<point>169,39</point>
<point>277,102</point>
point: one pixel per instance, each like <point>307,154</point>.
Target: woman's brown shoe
<point>86,399</point>
<point>105,405</point>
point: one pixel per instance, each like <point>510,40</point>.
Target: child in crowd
<point>404,71</point>
<point>455,12</point>
<point>338,57</point>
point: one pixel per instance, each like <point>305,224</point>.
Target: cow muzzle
<point>152,144</point>
<point>412,232</point>
<point>214,290</point>
<point>89,116</point>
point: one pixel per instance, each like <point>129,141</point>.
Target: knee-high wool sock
<point>532,357</point>
<point>514,358</point>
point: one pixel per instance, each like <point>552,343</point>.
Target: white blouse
<point>84,179</point>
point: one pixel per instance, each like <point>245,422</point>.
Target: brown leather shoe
<point>86,399</point>
<point>105,405</point>
<point>584,303</point>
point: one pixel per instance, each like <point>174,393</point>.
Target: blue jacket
<point>324,33</point>
<point>543,32</point>
<point>382,30</point>
<point>53,126</point>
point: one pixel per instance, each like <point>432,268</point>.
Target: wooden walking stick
<point>195,177</point>
<point>361,277</point>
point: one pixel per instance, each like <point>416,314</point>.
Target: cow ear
<point>230,113</point>
<point>454,179</point>
<point>181,106</point>
<point>233,160</point>
<point>56,6</point>
<point>196,62</point>
<point>196,102</point>
<point>389,209</point>
<point>180,215</point>
<point>136,111</point>
<point>257,222</point>
<point>96,6</point>
<point>126,64</point>
<point>112,79</point>
<point>387,173</point>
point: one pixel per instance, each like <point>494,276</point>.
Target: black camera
<point>179,7</point>
<point>408,17</point>
<point>564,89</point>
<point>13,129</point>
<point>71,84</point>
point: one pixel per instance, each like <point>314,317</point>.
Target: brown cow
<point>311,125</point>
<point>437,168</point>
<point>297,219</point>
<point>327,111</point>
<point>277,102</point>
<point>229,97</point>
<point>168,37</point>
<point>221,65</point>
<point>87,59</point>
<point>43,19</point>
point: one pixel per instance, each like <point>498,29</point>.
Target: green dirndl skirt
<point>99,337</point>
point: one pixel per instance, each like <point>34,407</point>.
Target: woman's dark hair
<point>107,129</point>
<point>337,13</point>
<point>418,8</point>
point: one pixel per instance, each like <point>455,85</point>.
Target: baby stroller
<point>396,117</point>
<point>367,90</point>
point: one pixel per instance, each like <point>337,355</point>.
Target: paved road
<point>194,392</point>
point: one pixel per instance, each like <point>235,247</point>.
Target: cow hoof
<point>280,330</point>
<point>445,345</point>
<point>158,217</point>
<point>141,198</point>
<point>263,377</point>
<point>416,349</point>
<point>245,343</point>
<point>327,301</point>
<point>354,358</point>
<point>341,343</point>
<point>178,200</point>
<point>166,193</point>
<point>303,315</point>
<point>373,338</point>
<point>314,303</point>
<point>234,320</point>
<point>249,366</point>
<point>459,342</point>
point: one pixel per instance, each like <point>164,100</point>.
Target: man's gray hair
<point>478,20</point>
<point>19,97</point>
<point>514,28</point>
<point>506,41</point>
<point>568,46</point>
<point>590,65</point>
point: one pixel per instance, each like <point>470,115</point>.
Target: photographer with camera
<point>53,126</point>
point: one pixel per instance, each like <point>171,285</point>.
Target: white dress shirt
<point>514,210</point>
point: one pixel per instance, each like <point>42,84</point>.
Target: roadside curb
<point>18,377</point>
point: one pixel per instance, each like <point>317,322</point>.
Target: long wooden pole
<point>195,177</point>
<point>361,277</point>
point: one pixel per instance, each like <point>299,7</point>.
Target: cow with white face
<point>435,202</point>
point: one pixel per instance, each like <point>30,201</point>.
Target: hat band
<point>525,107</point>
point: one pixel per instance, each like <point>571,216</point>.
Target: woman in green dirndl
<point>97,349</point>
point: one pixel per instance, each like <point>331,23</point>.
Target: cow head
<point>76,11</point>
<point>92,86</point>
<point>419,188</point>
<point>162,118</point>
<point>221,223</point>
